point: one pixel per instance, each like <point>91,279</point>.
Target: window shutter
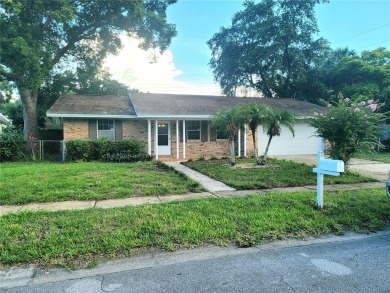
<point>118,130</point>
<point>204,131</point>
<point>92,129</point>
<point>213,134</point>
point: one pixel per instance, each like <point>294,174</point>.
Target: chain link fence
<point>43,150</point>
<point>51,150</point>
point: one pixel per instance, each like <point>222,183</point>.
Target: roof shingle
<point>165,105</point>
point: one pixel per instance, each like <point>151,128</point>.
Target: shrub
<point>125,157</point>
<point>349,127</point>
<point>13,146</point>
<point>106,150</point>
<point>79,150</point>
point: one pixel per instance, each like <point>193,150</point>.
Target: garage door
<point>304,142</point>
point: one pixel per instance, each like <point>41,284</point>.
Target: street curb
<point>16,277</point>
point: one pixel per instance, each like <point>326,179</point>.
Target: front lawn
<point>44,182</point>
<point>80,238</point>
<point>277,173</point>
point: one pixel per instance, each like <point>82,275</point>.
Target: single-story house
<point>178,125</point>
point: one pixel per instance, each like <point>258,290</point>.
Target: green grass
<point>81,238</point>
<point>383,157</point>
<point>45,182</point>
<point>277,173</point>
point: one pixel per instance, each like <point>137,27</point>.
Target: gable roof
<point>92,106</point>
<point>184,106</point>
<point>140,105</point>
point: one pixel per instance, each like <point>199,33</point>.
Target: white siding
<point>304,142</point>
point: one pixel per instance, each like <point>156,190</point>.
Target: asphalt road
<point>358,264</point>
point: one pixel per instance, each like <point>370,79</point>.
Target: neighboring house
<point>159,120</point>
<point>3,122</point>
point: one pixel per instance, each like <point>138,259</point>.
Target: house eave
<point>175,117</point>
<point>90,116</point>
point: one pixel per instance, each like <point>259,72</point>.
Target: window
<point>193,130</point>
<point>106,129</point>
<point>221,134</point>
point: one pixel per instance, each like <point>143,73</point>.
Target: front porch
<point>183,139</point>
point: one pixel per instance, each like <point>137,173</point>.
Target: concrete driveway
<point>373,169</point>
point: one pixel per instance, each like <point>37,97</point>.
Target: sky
<point>183,68</point>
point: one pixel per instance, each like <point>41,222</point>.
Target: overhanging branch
<point>4,75</point>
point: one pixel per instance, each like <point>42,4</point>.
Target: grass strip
<point>78,239</point>
<point>277,173</point>
<point>53,182</point>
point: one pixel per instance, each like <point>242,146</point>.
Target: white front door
<point>164,138</point>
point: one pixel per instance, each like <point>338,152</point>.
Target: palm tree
<point>228,120</point>
<point>273,126</point>
<point>254,115</point>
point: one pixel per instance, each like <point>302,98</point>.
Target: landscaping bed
<point>77,239</point>
<point>276,173</point>
<point>53,182</point>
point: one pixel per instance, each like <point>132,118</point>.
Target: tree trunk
<point>266,151</point>
<point>255,146</point>
<point>232,153</point>
<point>29,100</point>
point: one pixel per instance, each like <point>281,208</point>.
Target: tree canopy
<point>361,77</point>
<point>38,36</point>
<point>67,82</point>
<point>270,47</point>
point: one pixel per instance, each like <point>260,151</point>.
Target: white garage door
<point>304,142</point>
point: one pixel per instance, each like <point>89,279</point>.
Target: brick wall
<point>138,129</point>
<point>75,129</point>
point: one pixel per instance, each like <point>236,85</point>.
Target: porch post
<point>239,142</point>
<point>244,140</point>
<point>149,137</point>
<point>177,139</point>
<point>156,139</point>
<point>184,139</point>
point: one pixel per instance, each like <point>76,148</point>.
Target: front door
<point>164,138</point>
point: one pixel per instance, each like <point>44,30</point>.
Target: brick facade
<point>138,129</point>
<point>75,129</point>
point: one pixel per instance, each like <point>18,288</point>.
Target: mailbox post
<point>328,167</point>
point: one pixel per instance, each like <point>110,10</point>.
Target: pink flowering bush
<point>349,127</point>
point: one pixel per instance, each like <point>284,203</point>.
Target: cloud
<point>150,71</point>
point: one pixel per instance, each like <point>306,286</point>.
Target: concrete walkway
<point>215,189</point>
<point>136,201</point>
<point>209,184</point>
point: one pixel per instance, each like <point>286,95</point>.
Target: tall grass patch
<point>80,238</point>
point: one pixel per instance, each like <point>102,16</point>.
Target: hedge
<point>105,150</point>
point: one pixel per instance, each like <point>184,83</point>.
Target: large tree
<point>362,77</point>
<point>270,47</point>
<point>37,35</point>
